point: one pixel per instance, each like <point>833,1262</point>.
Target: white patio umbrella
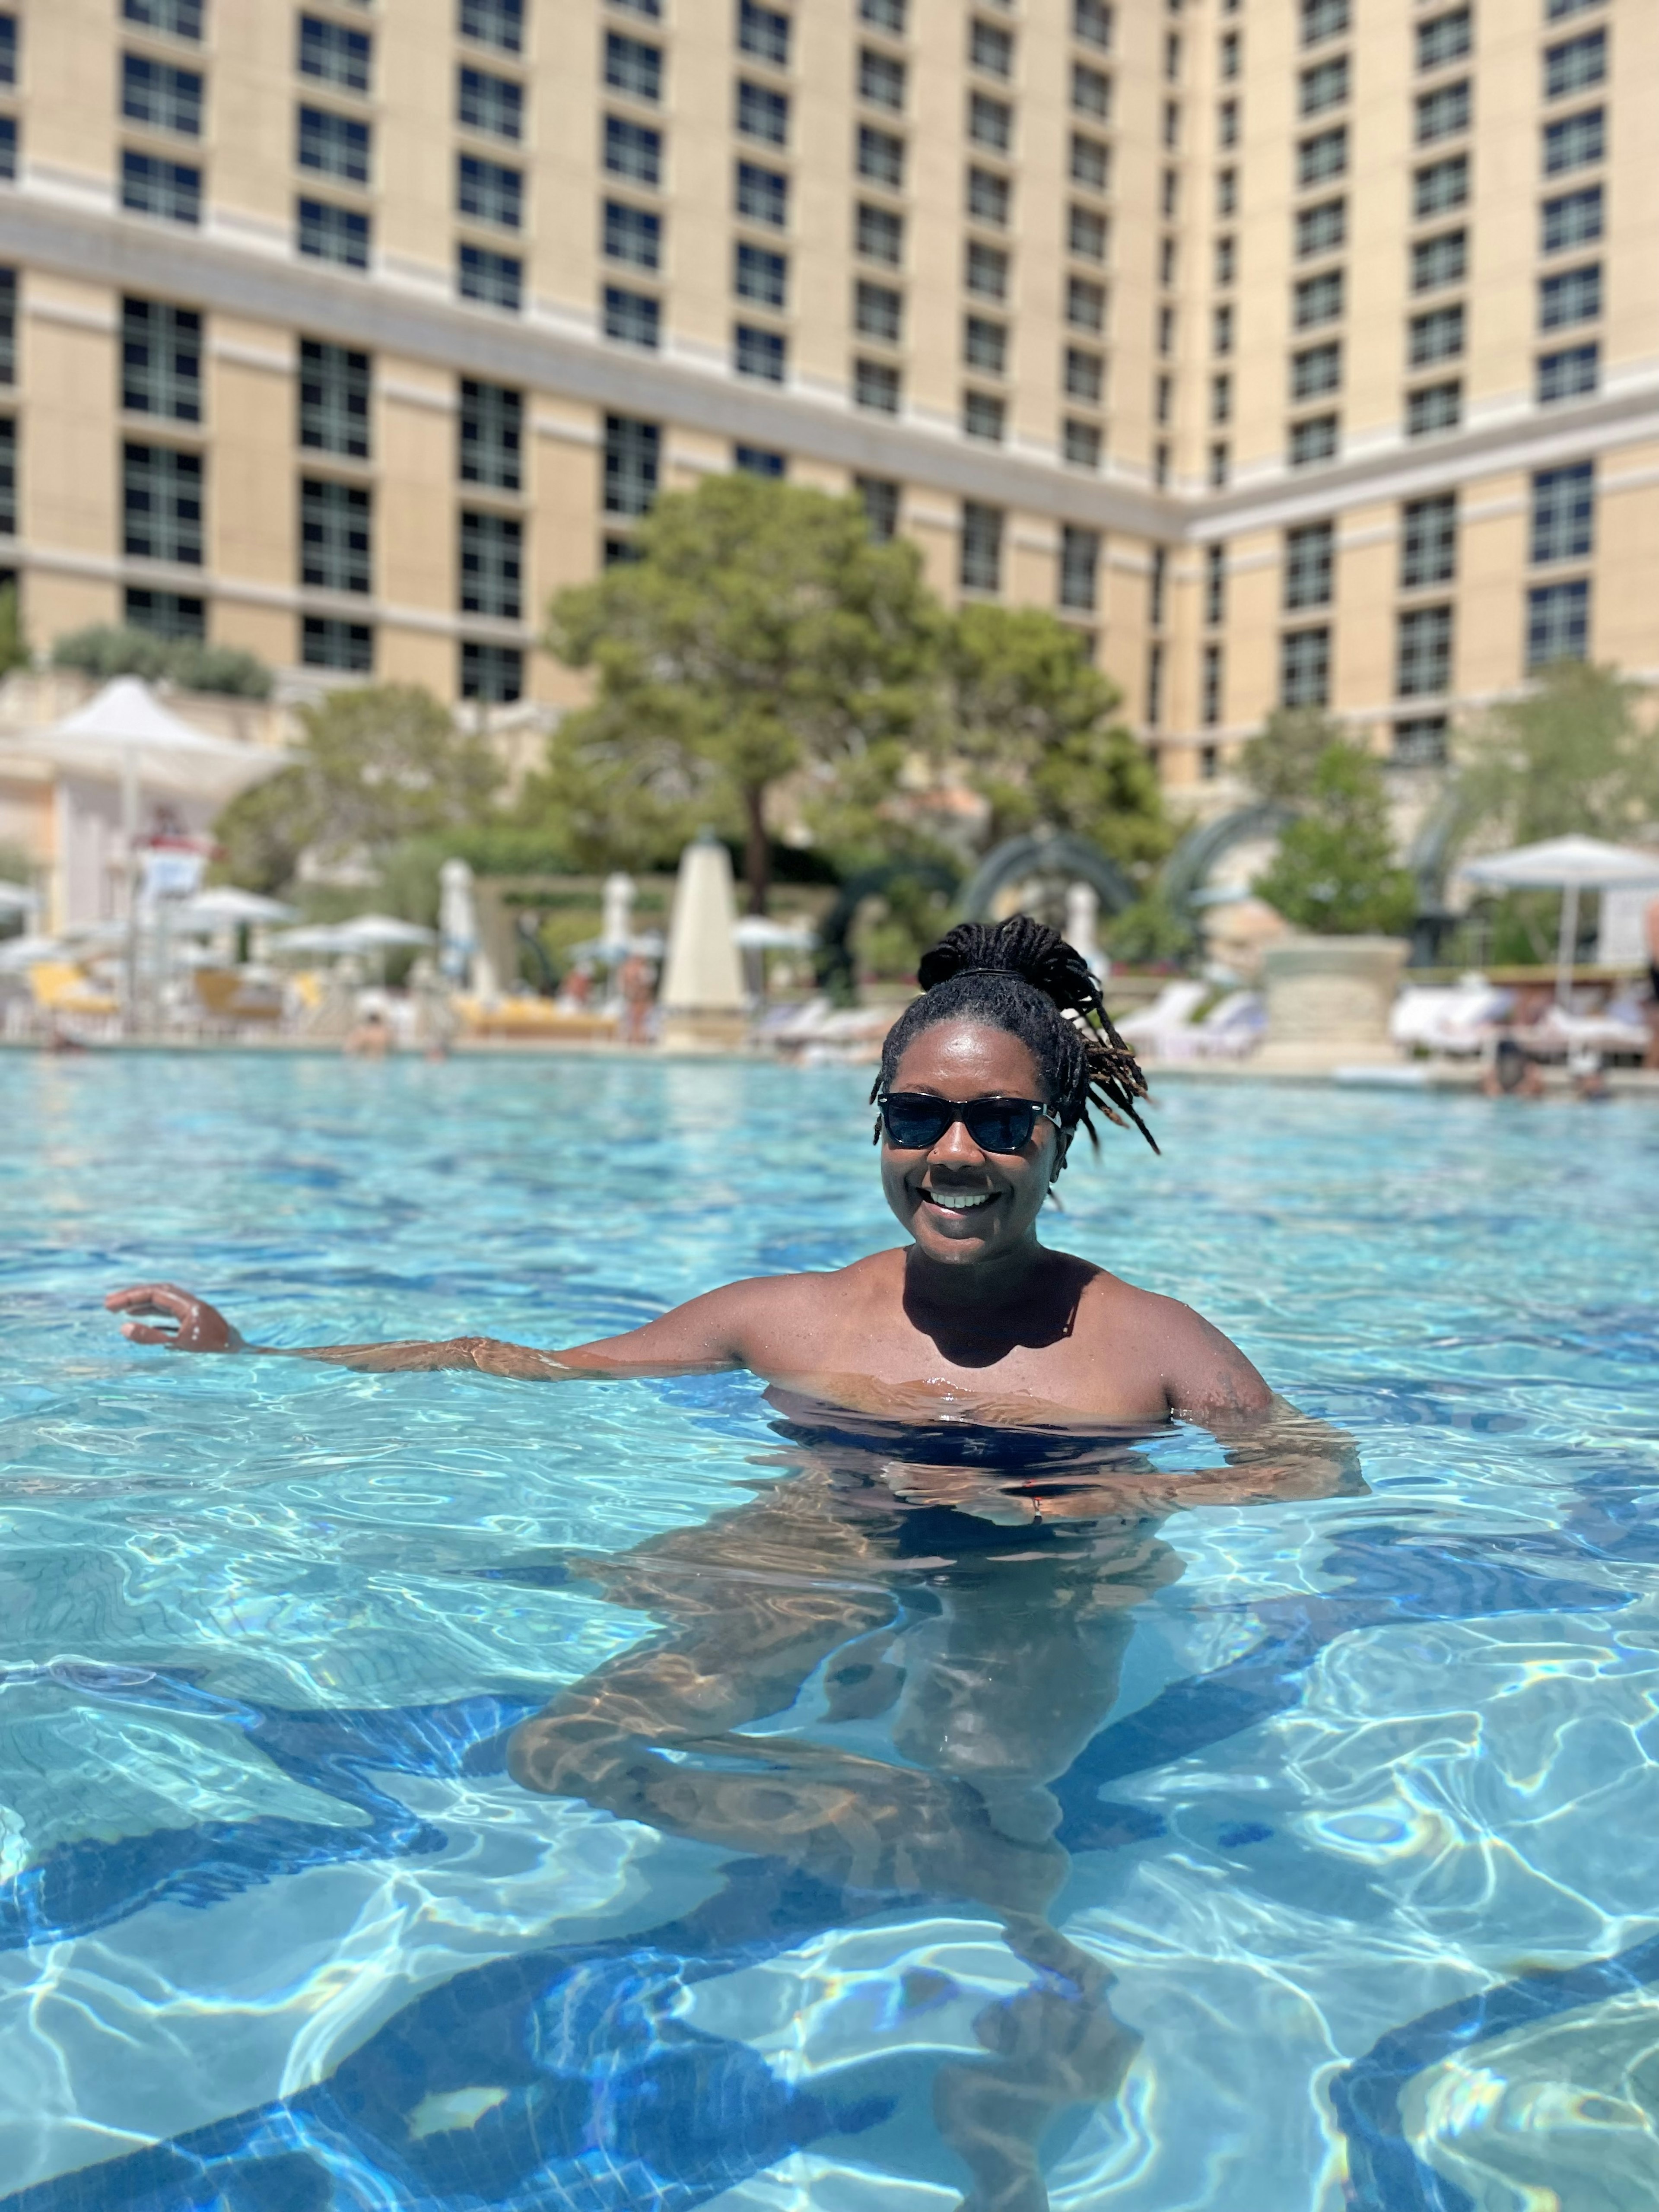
<point>1570,866</point>
<point>324,937</point>
<point>14,899</point>
<point>225,905</point>
<point>758,932</point>
<point>19,953</point>
<point>379,932</point>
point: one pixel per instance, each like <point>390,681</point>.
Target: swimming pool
<point>1360,1827</point>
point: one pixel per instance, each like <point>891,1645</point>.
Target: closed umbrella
<point>1570,866</point>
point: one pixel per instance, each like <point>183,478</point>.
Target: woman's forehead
<point>968,1051</point>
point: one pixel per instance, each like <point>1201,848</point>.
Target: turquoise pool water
<point>1360,1818</point>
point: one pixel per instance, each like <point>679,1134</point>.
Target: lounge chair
<point>1159,1031</point>
<point>67,996</point>
<point>1455,1018</point>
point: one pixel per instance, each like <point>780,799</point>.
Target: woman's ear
<point>1062,1147</point>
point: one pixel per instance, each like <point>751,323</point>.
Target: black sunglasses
<point>916,1121</point>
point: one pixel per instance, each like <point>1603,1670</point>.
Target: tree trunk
<point>758,853</point>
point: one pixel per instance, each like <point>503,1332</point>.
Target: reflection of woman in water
<point>951,1564</point>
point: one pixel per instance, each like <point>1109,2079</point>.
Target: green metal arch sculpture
<point>834,953</point>
<point>1057,853</point>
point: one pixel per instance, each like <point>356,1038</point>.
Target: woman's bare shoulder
<point>1203,1371</point>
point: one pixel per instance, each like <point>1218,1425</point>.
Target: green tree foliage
<point>14,645</point>
<point>1279,763</point>
<point>762,633</point>
<point>1033,719</point>
<point>1335,871</point>
<point>105,650</point>
<point>1573,755</point>
<point>379,763</point>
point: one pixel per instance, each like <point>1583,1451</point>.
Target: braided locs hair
<point>1023,978</point>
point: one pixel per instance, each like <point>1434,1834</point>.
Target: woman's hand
<point>197,1326</point>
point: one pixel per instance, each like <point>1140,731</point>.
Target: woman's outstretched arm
<point>696,1337</point>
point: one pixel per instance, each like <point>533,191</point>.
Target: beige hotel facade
<point>1299,350</point>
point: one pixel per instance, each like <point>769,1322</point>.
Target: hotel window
<point>333,386</point>
<point>1316,371</point>
<point>1091,163</point>
<point>493,23</point>
<point>1221,328</point>
<point>178,19</point>
<point>760,275</point>
<point>1229,52</point>
<point>762,113</point>
<point>492,566</point>
<point>1172,57</point>
<point>1322,19</point>
<point>1221,461</point>
<point>982,416</point>
<point>326,232</point>
<point>1564,513</point>
<point>1322,228</point>
<point>759,354</point>
<point>885,14</point>
<point>881,157</point>
<point>1221,398</point>
<point>985,346</point>
<point>760,461</point>
<point>160,359</point>
<point>1317,299</point>
<point>1304,667</point>
<point>1085,234</point>
<point>158,95</point>
<point>1420,741</point>
<point>493,673</point>
<point>495,105</point>
<point>491,447</point>
<point>1310,564</point>
<point>1437,336</point>
<point>1445,38</point>
<point>1166,263</point>
<point>1443,112</point>
<point>8,149</point>
<point>1080,566</point>
<point>1215,585</point>
<point>327,642</point>
<point>1437,261</point>
<point>1169,194</point>
<point>1572,296</point>
<point>1323,156</point>
<point>881,506</point>
<point>1313,441</point>
<point>1156,578</point>
<point>878,234</point>
<point>1442,185</point>
<point>1086,302</point>
<point>764,33</point>
<point>1226,193</point>
<point>335,545</point>
<point>1428,541</point>
<point>991,49</point>
<point>336,145</point>
<point>1325,85</point>
<point>1423,654</point>
<point>163,614</point>
<point>1154,684</point>
<point>1572,374</point>
<point>1575,142</point>
<point>1162,400</point>
<point>8,327</point>
<point>1091,23</point>
<point>879,313</point>
<point>494,280</point>
<point>881,79</point>
<point>1575,64</point>
<point>762,195</point>
<point>1574,219</point>
<point>633,67</point>
<point>986,272</point>
<point>1171,136</point>
<point>988,196</point>
<point>1227,123</point>
<point>1226,260</point>
<point>633,452</point>
<point>1080,444</point>
<point>162,503</point>
<point>334,54</point>
<point>632,235</point>
<point>1166,330</point>
<point>171,189</point>
<point>1436,407</point>
<point>1091,91</point>
<point>487,192</point>
<point>875,386</point>
<point>981,550</point>
<point>990,122</point>
<point>1557,11</point>
<point>632,318</point>
<point>1083,374</point>
<point>1209,711</point>
<point>1558,623</point>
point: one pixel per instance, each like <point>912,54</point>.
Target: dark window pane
<point>162,360</point>
<point>1558,623</point>
<point>1428,541</point>
<point>161,500</point>
<point>495,104</point>
<point>327,641</point>
<point>171,189</point>
<point>158,95</point>
<point>632,235</point>
<point>761,276</point>
<point>491,434</point>
<point>762,195</point>
<point>335,547</point>
<point>632,459</point>
<point>632,318</point>
<point>496,280</point>
<point>633,67</point>
<point>338,145</point>
<point>491,556</point>
<point>335,53</point>
<point>485,191</point>
<point>757,353</point>
<point>981,547</point>
<point>1572,374</point>
<point>326,232</point>
<point>493,673</point>
<point>763,31</point>
<point>493,24</point>
<point>1564,513</point>
<point>881,504</point>
<point>165,614</point>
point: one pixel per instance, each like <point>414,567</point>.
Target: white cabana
<point>1571,865</point>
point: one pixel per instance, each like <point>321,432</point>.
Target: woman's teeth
<point>960,1201</point>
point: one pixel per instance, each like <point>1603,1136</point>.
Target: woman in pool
<point>967,1531</point>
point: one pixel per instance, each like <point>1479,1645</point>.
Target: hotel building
<point>1294,351</point>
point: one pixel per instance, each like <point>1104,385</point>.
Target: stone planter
<point>1327,1001</point>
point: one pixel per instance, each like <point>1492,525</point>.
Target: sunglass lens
<point>1000,1128</point>
<point>914,1123</point>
